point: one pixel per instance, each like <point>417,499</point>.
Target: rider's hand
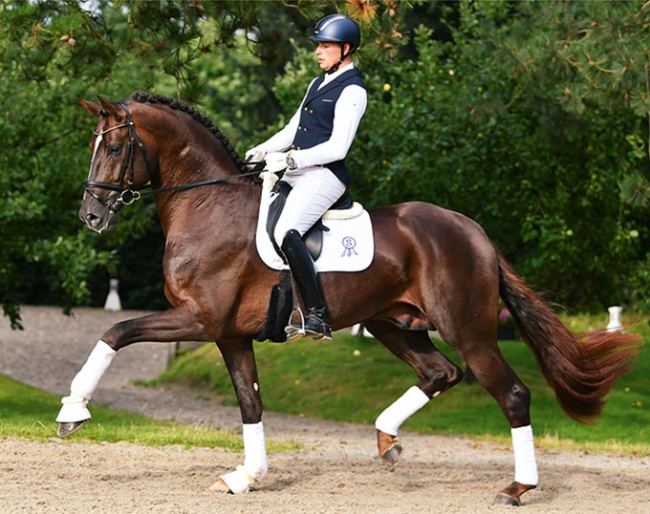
<point>276,161</point>
<point>255,156</point>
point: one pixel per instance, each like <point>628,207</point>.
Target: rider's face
<point>328,54</point>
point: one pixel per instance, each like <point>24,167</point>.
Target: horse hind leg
<point>499,379</point>
<point>435,372</point>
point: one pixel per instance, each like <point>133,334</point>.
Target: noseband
<point>127,194</point>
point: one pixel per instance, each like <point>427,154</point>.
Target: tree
<point>530,117</point>
<point>56,51</point>
<point>532,138</point>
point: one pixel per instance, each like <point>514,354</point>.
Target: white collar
<point>331,76</point>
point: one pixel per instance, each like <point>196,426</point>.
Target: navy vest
<point>317,117</point>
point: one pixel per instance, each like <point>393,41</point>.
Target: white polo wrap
<point>85,382</point>
<point>524,450</point>
<point>255,463</point>
<point>405,406</point>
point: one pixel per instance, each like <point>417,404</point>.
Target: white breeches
<point>314,191</point>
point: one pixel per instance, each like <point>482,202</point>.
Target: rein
<point>127,194</point>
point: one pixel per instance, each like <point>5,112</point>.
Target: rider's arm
<point>348,112</point>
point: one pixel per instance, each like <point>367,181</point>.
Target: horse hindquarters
<point>454,286</point>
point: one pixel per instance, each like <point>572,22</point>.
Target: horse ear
<point>111,108</point>
<point>91,107</point>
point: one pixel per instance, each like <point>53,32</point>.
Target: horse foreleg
<point>436,374</point>
<point>240,361</point>
<point>74,413</point>
<point>172,325</point>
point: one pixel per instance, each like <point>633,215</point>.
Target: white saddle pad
<point>347,246</point>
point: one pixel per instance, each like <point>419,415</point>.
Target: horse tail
<point>581,370</point>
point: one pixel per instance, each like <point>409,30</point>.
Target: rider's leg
<point>313,192</point>
<point>302,267</point>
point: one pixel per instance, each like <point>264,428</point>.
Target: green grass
<point>30,413</point>
<point>354,379</point>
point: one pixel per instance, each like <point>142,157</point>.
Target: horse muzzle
<point>98,216</point>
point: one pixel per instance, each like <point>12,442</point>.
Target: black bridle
<point>127,194</point>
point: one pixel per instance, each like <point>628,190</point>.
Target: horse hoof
<point>504,499</point>
<point>511,495</point>
<point>389,449</point>
<point>69,428</point>
<point>220,487</point>
<point>392,456</point>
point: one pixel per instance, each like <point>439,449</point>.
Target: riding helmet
<point>338,28</point>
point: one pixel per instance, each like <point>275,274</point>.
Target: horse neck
<point>195,155</point>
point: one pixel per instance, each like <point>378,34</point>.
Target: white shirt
<point>348,112</point>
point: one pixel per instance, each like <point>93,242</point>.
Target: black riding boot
<point>302,268</point>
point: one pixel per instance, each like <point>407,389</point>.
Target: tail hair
<point>581,369</point>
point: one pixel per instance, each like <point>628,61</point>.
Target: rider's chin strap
<point>338,64</point>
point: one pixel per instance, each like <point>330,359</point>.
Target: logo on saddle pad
<point>347,240</point>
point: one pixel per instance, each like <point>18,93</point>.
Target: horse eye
<point>114,149</point>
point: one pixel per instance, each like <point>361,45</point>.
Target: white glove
<point>254,155</point>
<point>276,161</point>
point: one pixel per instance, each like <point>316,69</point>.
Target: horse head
<point>119,165</point>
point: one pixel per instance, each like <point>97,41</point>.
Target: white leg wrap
<point>524,449</point>
<point>238,481</point>
<point>255,464</point>
<point>405,406</point>
<point>73,410</point>
<point>85,382</point>
<point>255,450</point>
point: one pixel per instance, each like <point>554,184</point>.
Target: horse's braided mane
<point>177,105</point>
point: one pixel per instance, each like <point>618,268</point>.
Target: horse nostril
<point>90,219</point>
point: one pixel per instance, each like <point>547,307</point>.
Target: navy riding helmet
<point>338,28</point>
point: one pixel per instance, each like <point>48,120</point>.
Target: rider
<point>312,148</point>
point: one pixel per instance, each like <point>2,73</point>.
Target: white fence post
<point>614,319</point>
<point>113,302</point>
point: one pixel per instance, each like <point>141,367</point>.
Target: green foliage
<point>55,51</point>
<point>530,117</point>
<point>484,125</point>
<point>29,412</point>
<point>354,379</point>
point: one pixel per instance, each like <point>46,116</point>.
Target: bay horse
<point>432,269</point>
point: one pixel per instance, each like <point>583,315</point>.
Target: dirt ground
<point>338,472</point>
